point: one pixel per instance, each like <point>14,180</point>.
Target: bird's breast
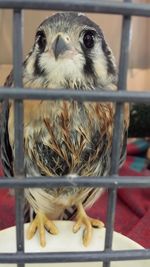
<point>63,137</point>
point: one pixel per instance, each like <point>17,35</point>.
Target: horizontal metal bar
<point>81,6</point>
<point>95,96</point>
<point>107,182</point>
<point>74,256</point>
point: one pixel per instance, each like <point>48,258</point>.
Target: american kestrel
<point>65,138</point>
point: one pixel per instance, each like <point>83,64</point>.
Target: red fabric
<point>132,214</point>
<point>132,209</point>
<point>7,208</point>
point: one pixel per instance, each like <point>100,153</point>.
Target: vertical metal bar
<point>118,124</point>
<point>18,125</point>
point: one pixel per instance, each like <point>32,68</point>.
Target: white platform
<point>66,241</point>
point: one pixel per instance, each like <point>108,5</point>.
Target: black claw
<point>84,232</point>
<point>35,230</point>
<point>95,226</point>
<point>47,230</point>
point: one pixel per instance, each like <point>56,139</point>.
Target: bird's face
<point>70,51</point>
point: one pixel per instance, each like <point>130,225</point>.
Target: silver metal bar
<point>18,126</point>
<point>88,256</point>
<point>111,206</point>
<point>94,6</point>
<point>92,181</point>
<point>95,96</point>
<point>117,133</point>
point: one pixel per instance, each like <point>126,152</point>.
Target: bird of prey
<point>65,138</point>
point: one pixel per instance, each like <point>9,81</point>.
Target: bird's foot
<point>41,222</point>
<point>83,218</point>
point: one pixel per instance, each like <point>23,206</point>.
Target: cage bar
<point>94,96</point>
<point>90,256</point>
<point>117,132</point>
<point>111,206</point>
<point>18,126</point>
<point>99,181</point>
<point>95,6</point>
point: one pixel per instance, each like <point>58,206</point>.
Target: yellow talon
<point>41,222</point>
<point>83,218</point>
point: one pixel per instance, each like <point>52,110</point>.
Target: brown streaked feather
<point>101,115</point>
<point>9,80</point>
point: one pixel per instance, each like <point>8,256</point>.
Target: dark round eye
<point>41,40</point>
<point>88,39</point>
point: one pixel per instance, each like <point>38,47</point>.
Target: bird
<point>65,138</point>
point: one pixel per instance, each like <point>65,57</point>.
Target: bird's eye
<point>88,39</point>
<point>41,40</point>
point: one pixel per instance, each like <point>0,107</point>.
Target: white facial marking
<point>68,66</point>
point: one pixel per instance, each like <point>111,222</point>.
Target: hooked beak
<point>59,46</point>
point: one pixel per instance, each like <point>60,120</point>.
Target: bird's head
<point>70,51</point>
